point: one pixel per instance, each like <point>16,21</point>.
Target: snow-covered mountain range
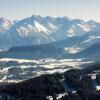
<point>42,30</point>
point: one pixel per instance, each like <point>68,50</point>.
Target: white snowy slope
<point>5,24</point>
<point>41,30</point>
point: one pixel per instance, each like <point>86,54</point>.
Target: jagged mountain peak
<point>5,24</point>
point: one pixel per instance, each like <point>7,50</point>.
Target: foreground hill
<point>76,83</point>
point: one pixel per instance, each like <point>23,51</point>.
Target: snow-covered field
<point>25,69</point>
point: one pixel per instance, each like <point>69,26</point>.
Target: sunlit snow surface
<point>40,28</point>
<point>35,68</point>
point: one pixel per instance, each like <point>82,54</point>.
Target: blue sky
<point>18,9</point>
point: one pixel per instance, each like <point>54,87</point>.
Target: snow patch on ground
<point>36,68</point>
<point>72,50</point>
